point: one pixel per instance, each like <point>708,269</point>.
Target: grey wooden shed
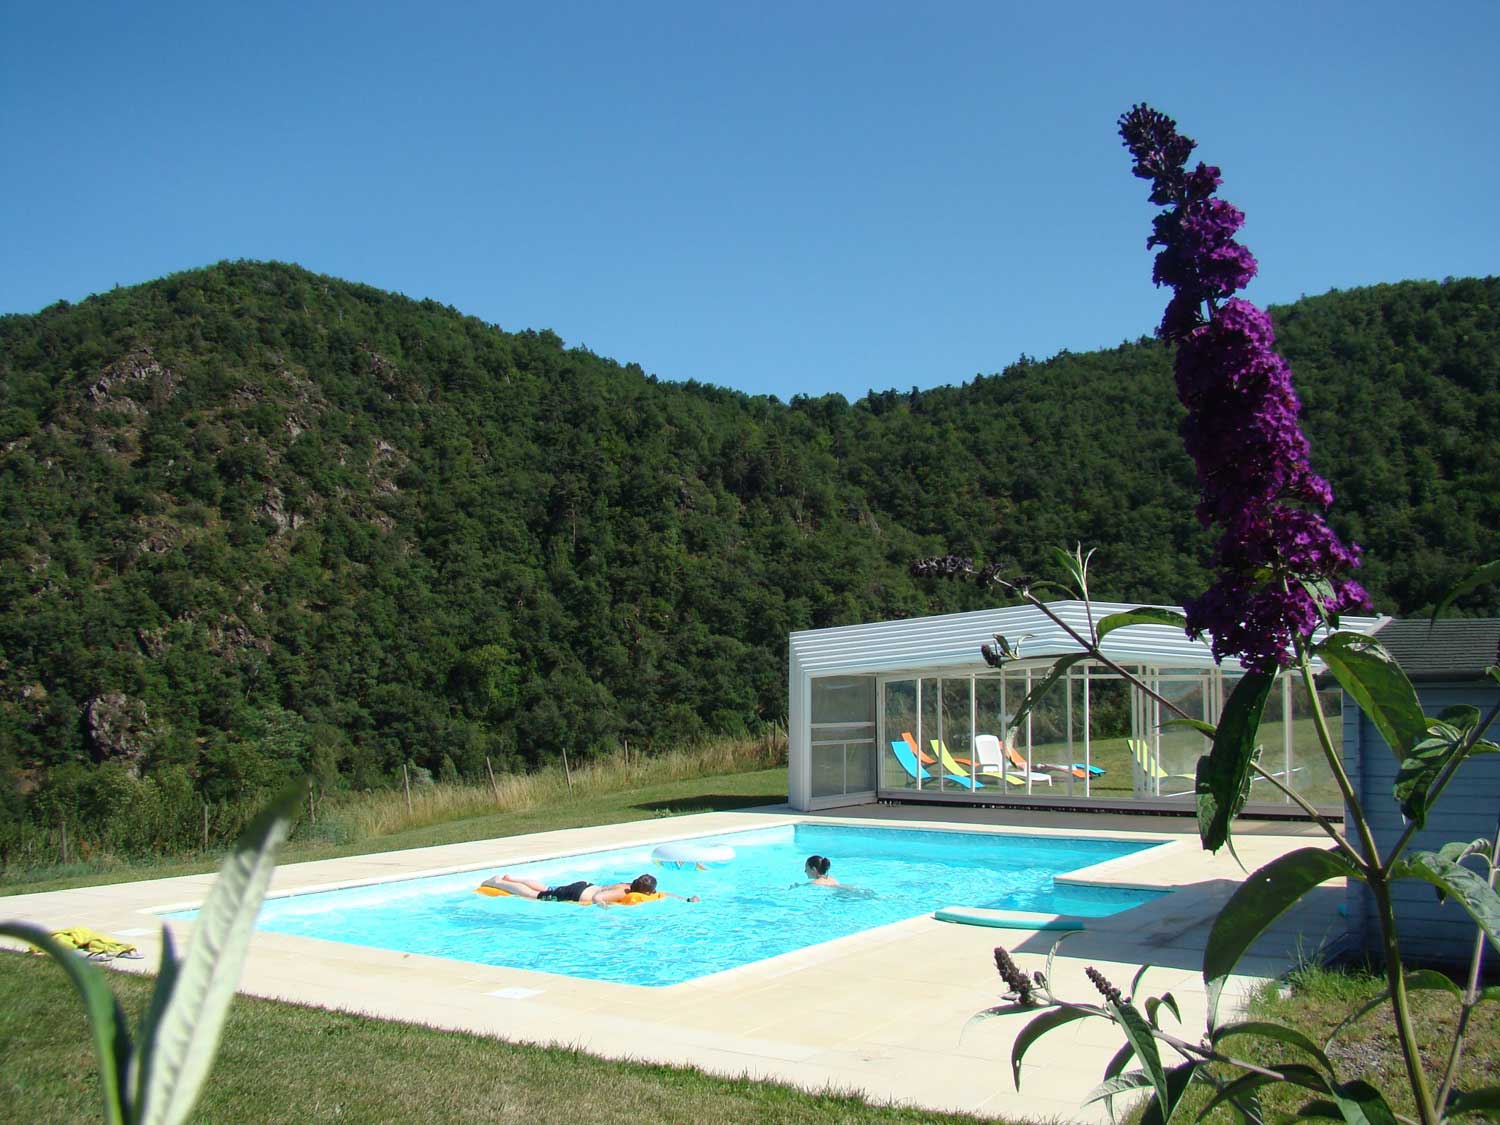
<point>1445,662</point>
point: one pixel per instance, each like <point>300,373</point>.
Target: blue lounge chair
<point>916,771</point>
<point>908,760</point>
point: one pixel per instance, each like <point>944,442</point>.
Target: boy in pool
<point>590,894</point>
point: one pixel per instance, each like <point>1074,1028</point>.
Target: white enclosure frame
<point>854,747</point>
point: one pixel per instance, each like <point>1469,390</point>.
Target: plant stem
<point>1395,974</point>
<point>1375,875</point>
<point>1089,645</point>
<point>1470,998</point>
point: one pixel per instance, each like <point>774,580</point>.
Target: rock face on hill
<point>115,727</point>
<point>257,520</point>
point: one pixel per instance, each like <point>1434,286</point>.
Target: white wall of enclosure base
<point>909,710</point>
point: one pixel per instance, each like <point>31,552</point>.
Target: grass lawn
<point>283,1063</point>
<point>1315,1000</point>
<point>676,798</point>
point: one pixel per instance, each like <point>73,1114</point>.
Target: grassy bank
<point>611,791</point>
<point>280,1062</point>
<point>1315,1000</point>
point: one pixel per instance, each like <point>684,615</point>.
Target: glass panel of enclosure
<point>1309,774</point>
<point>899,713</point>
<point>1093,736</point>
<point>843,735</point>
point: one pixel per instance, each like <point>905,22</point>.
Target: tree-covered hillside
<point>257,520</point>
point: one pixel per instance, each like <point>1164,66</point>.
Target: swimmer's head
<point>644,885</point>
<point>817,866</point>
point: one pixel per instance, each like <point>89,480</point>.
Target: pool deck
<point>882,1012</point>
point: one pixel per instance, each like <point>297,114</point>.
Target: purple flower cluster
<point>1241,428</point>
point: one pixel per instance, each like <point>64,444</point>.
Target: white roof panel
<point>952,640</point>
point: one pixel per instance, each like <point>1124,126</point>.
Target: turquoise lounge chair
<point>914,769</point>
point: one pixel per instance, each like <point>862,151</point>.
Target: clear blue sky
<point>785,198</point>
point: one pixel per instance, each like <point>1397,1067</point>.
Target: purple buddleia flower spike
<point>1241,428</point>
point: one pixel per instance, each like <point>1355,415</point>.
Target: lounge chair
<point>914,769</point>
<point>957,771</point>
<point>993,755</point>
<point>918,772</point>
<point>1150,769</point>
<point>917,752</point>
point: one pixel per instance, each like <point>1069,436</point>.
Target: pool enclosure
<point>909,710</point>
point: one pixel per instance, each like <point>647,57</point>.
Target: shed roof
<point>952,640</point>
<point>1453,649</point>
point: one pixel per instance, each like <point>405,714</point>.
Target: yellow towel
<point>92,942</point>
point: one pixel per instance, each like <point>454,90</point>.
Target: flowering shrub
<point>1283,573</point>
<point>1282,568</point>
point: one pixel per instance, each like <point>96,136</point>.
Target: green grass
<point>672,798</point>
<point>283,1063</point>
<point>1314,1000</point>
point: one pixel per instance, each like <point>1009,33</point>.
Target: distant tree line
<point>257,521</point>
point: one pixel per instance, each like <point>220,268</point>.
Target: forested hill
<point>254,517</point>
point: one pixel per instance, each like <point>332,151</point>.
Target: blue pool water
<point>754,907</point>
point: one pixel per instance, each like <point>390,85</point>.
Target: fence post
<point>406,779</point>
<point>63,826</point>
<point>567,772</point>
<point>205,826</point>
<point>495,789</point>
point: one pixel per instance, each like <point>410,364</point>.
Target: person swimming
<point>582,891</point>
<point>816,868</point>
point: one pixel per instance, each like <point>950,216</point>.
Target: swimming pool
<point>754,907</point>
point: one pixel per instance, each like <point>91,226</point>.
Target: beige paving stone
<point>886,1012</point>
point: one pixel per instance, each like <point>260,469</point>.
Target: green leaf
<point>1142,616</point>
<point>1362,1104</point>
<point>1047,1021</point>
<point>107,1021</point>
<point>1118,1062</point>
<point>1154,1004</point>
<point>1295,1073</point>
<point>1489,572</point>
<point>1178,1079</point>
<point>1366,671</point>
<point>1319,1109</point>
<point>1459,850</point>
<point>1047,682</point>
<point>1121,1084</point>
<point>1473,1101</point>
<point>1009,1009</point>
<point>1076,564</point>
<point>1462,717</point>
<point>1195,724</point>
<point>1224,773</point>
<point>178,1047</point>
<point>1139,1033</point>
<point>1419,770</point>
<point>1262,898</point>
<point>1135,981</point>
<point>1470,891</point>
<point>1266,1030</point>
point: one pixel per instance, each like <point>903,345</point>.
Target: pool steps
<point>1007,919</point>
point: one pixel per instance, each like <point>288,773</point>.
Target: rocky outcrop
<point>116,726</point>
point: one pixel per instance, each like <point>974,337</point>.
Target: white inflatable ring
<point>692,855</point>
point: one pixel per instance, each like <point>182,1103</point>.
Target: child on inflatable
<point>583,892</point>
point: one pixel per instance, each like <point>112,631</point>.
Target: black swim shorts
<point>572,892</point>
